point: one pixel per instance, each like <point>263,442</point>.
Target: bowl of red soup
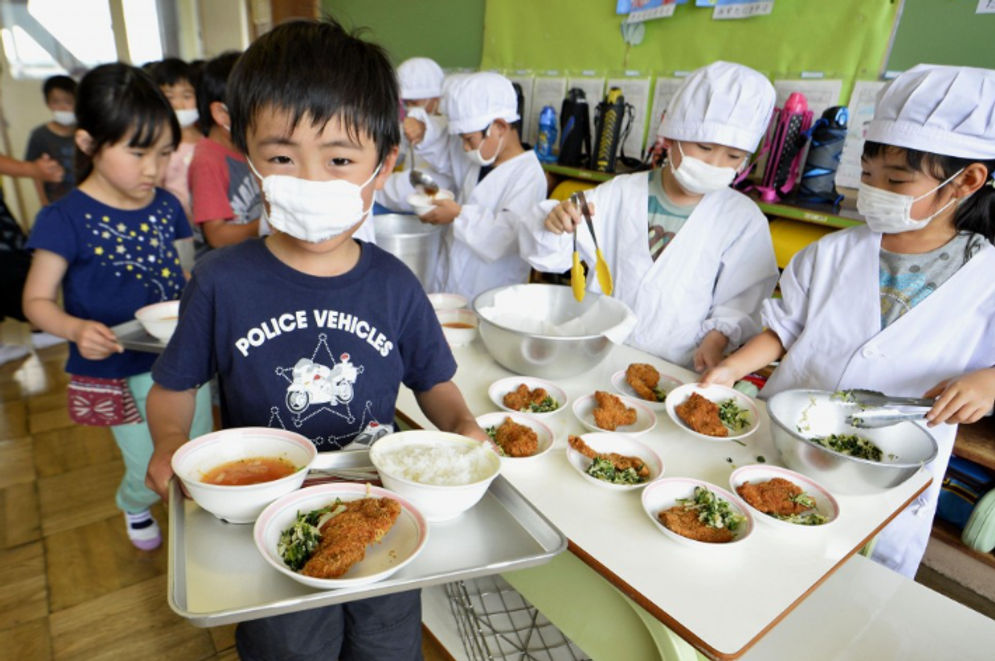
<point>459,326</point>
<point>235,473</point>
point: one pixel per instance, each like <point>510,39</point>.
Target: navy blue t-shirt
<point>119,260</point>
<point>320,356</point>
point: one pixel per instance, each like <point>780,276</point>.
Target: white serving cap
<point>938,109</point>
<point>420,78</point>
<point>725,103</point>
<point>477,100</point>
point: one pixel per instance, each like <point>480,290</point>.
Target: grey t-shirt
<point>906,280</point>
<point>665,218</point>
<point>59,147</point>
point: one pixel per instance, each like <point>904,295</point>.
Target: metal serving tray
<point>217,576</point>
<point>133,336</point>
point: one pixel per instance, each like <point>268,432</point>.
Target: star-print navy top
<point>119,260</point>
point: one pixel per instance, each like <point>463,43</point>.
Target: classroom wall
<point>448,31</point>
<point>943,32</point>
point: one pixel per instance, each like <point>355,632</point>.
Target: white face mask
<point>475,156</point>
<point>890,213</point>
<point>698,177</point>
<point>187,116</point>
<point>313,211</point>
<point>64,117</point>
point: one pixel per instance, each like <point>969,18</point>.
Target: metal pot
<point>415,243</point>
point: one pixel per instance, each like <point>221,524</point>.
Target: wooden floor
<point>71,584</point>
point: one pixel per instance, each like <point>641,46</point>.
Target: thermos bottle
<point>784,145</point>
<point>607,130</point>
<point>818,178</point>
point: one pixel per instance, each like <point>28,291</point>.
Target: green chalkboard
<point>448,31</point>
<point>943,32</point>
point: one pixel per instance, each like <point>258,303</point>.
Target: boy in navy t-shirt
<point>308,329</point>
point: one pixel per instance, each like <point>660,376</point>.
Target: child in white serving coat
<point>691,256</point>
<point>499,182</point>
<point>906,303</point>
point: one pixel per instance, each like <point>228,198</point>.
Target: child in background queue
<point>224,198</point>
<point>109,246</point>
<point>906,303</point>
<point>54,138</point>
<point>176,80</point>
<point>321,140</point>
<point>691,256</point>
<point>499,181</point>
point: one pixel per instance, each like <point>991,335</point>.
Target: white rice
<point>448,465</point>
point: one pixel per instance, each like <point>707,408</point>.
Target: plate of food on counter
<point>713,413</point>
<point>517,435</point>
<point>340,535</point>
<point>645,383</point>
<point>783,498</point>
<point>525,394</point>
<point>696,513</point>
<point>604,411</point>
<point>614,461</point>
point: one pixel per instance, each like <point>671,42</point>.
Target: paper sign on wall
<point>636,92</point>
<point>546,91</point>
<point>862,102</point>
<point>733,9</point>
<point>985,7</point>
<point>663,92</point>
<point>820,94</point>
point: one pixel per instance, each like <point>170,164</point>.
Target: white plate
<point>618,443</point>
<point>397,548</point>
<point>502,387</point>
<point>825,504</point>
<point>422,203</point>
<point>663,494</point>
<point>584,407</point>
<point>543,433</point>
<point>667,382</point>
<point>717,394</point>
<point>445,301</point>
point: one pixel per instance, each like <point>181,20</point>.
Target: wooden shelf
<point>977,442</point>
<point>947,533</point>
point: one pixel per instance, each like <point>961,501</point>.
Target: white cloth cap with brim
<point>477,100</point>
<point>723,103</point>
<point>940,110</point>
<point>420,78</point>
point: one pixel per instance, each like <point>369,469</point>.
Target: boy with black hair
<point>176,80</point>
<point>224,198</point>
<point>54,138</point>
<point>276,318</point>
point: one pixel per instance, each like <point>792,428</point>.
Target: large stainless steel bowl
<point>542,355</point>
<point>415,243</point>
<point>799,415</point>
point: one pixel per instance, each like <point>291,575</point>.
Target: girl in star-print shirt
<point>109,246</point>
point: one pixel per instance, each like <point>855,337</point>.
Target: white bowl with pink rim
<point>159,319</point>
<point>459,326</point>
<point>446,301</point>
<point>825,503</point>
<point>604,442</point>
<point>667,384</point>
<point>402,543</point>
<point>583,408</point>
<point>502,387</point>
<point>663,494</point>
<point>544,435</point>
<point>241,503</point>
<point>717,394</point>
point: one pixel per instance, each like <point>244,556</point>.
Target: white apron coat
<point>829,320</point>
<point>428,152</point>
<point>714,274</point>
<point>480,247</point>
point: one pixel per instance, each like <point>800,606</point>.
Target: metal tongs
<point>880,410</point>
<point>601,266</point>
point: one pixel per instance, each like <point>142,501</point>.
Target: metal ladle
<point>419,180</point>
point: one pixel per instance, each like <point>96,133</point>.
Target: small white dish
<point>445,301</point>
<point>422,203</point>
<point>502,387</point>
<point>159,319</point>
<point>603,442</point>
<point>459,326</point>
<point>663,494</point>
<point>667,383</point>
<point>717,394</point>
<point>825,503</point>
<point>583,408</point>
<point>402,543</point>
<point>544,435</point>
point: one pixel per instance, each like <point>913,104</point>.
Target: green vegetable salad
<point>603,469</point>
<point>852,445</point>
<point>299,541</point>
<point>545,406</point>
<point>712,510</point>
<point>812,518</point>
<point>733,416</point>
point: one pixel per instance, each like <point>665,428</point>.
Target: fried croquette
<point>344,537</point>
<point>521,397</point>
<point>685,522</point>
<point>702,415</point>
<point>611,413</point>
<point>516,440</point>
<point>773,496</point>
<point>643,378</point>
<point>619,461</point>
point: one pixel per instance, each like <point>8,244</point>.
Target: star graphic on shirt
<point>99,250</point>
<point>144,227</point>
<point>132,233</point>
<point>129,267</point>
<point>120,249</point>
<point>166,272</point>
<point>105,235</point>
<point>153,242</point>
<point>120,226</point>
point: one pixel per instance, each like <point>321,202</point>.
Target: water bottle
<point>827,136</point>
<point>547,135</point>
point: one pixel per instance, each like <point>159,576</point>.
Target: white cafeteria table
<point>723,599</point>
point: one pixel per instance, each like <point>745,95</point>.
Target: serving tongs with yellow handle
<point>600,266</point>
<point>577,280</point>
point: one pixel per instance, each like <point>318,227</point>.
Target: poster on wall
<point>862,102</point>
<point>646,10</point>
<point>636,90</point>
<point>548,90</point>
<point>663,92</point>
